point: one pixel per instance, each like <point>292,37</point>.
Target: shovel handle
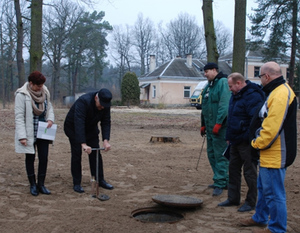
<point>95,183</point>
<point>102,148</point>
<point>200,152</point>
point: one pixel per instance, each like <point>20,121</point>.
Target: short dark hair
<point>36,78</point>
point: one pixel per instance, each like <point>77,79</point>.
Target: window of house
<point>153,91</point>
<point>256,71</point>
<point>187,92</point>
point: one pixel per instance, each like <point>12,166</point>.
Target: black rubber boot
<point>33,188</point>
<point>41,186</point>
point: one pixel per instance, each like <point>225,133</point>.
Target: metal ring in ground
<point>151,214</point>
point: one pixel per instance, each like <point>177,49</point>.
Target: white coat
<point>24,127</point>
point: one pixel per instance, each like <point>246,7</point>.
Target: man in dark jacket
<point>246,97</point>
<point>81,127</point>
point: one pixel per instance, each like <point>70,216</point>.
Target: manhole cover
<point>150,214</point>
<point>177,201</point>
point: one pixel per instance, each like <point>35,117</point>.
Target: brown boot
<point>265,230</point>
<point>249,222</point>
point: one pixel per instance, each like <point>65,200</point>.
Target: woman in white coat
<point>32,104</point>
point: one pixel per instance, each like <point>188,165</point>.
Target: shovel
<point>95,183</point>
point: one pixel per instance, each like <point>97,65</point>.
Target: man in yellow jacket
<point>275,137</point>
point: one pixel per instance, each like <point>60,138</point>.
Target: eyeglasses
<point>261,75</point>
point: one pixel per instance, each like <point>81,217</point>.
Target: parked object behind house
<point>196,98</point>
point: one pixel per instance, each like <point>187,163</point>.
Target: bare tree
<point>9,47</point>
<point>60,20</point>
<point>2,64</point>
<point>20,40</point>
<point>165,45</point>
<point>36,51</point>
<point>184,35</point>
<point>121,46</point>
<point>224,38</point>
<point>210,36</point>
<point>160,50</point>
<point>143,32</point>
<point>295,29</point>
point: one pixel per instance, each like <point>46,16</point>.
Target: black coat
<point>242,107</point>
<point>81,123</point>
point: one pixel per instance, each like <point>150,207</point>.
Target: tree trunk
<point>294,41</point>
<point>20,39</point>
<point>55,79</point>
<point>70,78</point>
<point>239,43</point>
<point>75,77</point>
<point>2,68</point>
<point>36,51</point>
<point>10,62</point>
<point>95,74</point>
<point>142,64</point>
<point>210,36</point>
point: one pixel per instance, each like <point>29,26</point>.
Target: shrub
<point>130,89</point>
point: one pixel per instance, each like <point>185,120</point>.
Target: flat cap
<point>210,65</point>
<point>105,97</point>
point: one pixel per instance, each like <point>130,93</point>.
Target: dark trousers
<point>76,154</point>
<point>240,157</point>
<point>42,147</point>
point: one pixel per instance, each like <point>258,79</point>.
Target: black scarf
<point>273,84</point>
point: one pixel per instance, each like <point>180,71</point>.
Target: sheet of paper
<point>46,133</point>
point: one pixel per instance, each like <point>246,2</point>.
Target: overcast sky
<point>122,12</point>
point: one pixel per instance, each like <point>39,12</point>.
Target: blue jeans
<point>271,199</point>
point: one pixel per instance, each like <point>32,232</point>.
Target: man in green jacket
<point>215,101</point>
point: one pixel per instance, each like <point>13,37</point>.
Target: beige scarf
<point>37,100</point>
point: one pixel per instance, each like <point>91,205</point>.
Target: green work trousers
<point>216,145</point>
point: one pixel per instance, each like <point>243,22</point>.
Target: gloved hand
<point>203,131</point>
<point>216,129</point>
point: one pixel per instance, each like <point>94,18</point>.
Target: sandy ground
<point>137,168</point>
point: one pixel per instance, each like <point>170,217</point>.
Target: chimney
<point>152,63</point>
<point>189,61</point>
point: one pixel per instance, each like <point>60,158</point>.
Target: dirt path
<point>137,168</point>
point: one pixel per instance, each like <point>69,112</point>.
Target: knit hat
<point>210,66</point>
<point>105,97</point>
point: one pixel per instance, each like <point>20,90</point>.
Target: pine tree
<point>130,89</point>
<point>278,18</point>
